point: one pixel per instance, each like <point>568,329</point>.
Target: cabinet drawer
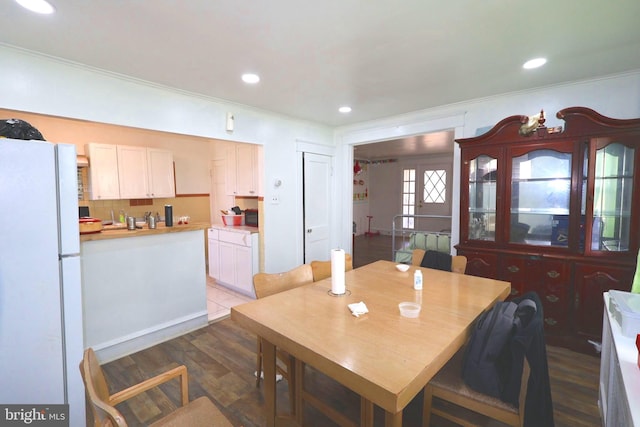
<point>212,233</point>
<point>243,239</point>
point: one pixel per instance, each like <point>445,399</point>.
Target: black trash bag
<point>19,129</point>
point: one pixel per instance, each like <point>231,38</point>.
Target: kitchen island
<point>142,287</point>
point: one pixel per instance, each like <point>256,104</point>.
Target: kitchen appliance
<point>41,332</point>
<point>251,217</point>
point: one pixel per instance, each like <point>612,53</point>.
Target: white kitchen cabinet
<point>133,172</point>
<point>104,183</point>
<point>160,173</point>
<point>233,258</point>
<point>145,172</point>
<point>242,170</point>
<point>619,375</point>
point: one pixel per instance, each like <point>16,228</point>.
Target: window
<point>408,197</point>
<point>435,186</point>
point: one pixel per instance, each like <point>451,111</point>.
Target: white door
<point>317,205</point>
<point>427,191</point>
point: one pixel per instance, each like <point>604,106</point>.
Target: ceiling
<point>382,58</point>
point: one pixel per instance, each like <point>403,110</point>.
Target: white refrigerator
<point>41,333</point>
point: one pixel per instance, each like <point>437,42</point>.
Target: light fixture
<point>250,78</point>
<point>37,6</point>
<point>534,63</point>
<point>345,109</point>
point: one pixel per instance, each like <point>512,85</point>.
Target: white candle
<point>337,271</point>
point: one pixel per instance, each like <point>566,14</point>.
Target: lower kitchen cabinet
<point>233,257</point>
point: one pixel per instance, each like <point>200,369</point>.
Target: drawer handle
<point>553,274</point>
<point>550,321</point>
<point>552,298</point>
<point>513,269</point>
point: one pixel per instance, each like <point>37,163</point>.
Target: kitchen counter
<point>141,291</point>
<point>235,228</point>
<point>119,232</point>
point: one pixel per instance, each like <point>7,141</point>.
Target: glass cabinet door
<point>540,194</point>
<point>612,197</point>
<point>482,198</point>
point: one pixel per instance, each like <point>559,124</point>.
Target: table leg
<point>269,368</point>
<point>366,412</point>
<point>393,420</point>
<point>298,389</point>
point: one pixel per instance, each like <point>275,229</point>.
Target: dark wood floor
<point>221,361</point>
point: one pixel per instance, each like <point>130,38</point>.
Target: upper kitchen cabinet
<point>556,211</point>
<point>136,172</point>
<point>103,172</point>
<point>242,170</point>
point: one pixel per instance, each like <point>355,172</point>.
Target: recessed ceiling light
<point>38,6</point>
<point>250,78</point>
<point>344,110</point>
<point>534,63</point>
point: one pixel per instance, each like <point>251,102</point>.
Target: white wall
<point>45,85</point>
<point>614,96</point>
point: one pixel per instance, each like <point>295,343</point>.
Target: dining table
<point>382,356</point>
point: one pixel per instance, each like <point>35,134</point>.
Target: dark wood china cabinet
<point>556,211</point>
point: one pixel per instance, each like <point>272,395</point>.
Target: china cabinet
<point>553,210</point>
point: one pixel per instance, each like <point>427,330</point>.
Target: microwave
<point>251,217</point>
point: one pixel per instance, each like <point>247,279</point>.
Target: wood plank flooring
<point>221,362</point>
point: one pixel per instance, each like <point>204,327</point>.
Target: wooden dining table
<point>382,356</point>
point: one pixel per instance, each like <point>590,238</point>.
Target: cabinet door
<point>214,259</point>
<point>244,271</point>
<point>133,172</point>
<point>227,263</point>
<point>103,172</point>
<point>481,264</point>
<point>610,208</point>
<point>161,175</point>
<point>540,193</point>
<point>246,170</point>
<point>230,182</point>
<point>478,222</point>
<point>591,281</point>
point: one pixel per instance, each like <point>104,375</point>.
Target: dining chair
<point>458,262</point>
<point>199,412</point>
<point>265,284</point>
<point>453,394</point>
<point>322,269</point>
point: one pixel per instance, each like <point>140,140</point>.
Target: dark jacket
<point>529,342</point>
<point>436,260</point>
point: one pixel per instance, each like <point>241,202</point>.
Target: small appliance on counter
<point>251,217</point>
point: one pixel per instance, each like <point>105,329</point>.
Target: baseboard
<point>128,344</point>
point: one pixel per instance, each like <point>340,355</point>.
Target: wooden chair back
<point>265,284</point>
<point>458,262</point>
<point>97,391</point>
<point>322,269</point>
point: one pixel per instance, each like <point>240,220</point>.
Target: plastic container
<point>417,280</point>
<point>409,309</point>
<point>233,219</point>
<point>625,308</point>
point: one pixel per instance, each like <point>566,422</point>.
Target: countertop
<point>239,228</point>
<point>109,232</point>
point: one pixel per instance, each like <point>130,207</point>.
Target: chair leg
<point>426,406</point>
<point>258,362</point>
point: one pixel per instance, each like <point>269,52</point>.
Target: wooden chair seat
<point>449,386</point>
<point>200,412</point>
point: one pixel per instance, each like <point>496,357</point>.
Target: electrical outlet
<point>275,199</point>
